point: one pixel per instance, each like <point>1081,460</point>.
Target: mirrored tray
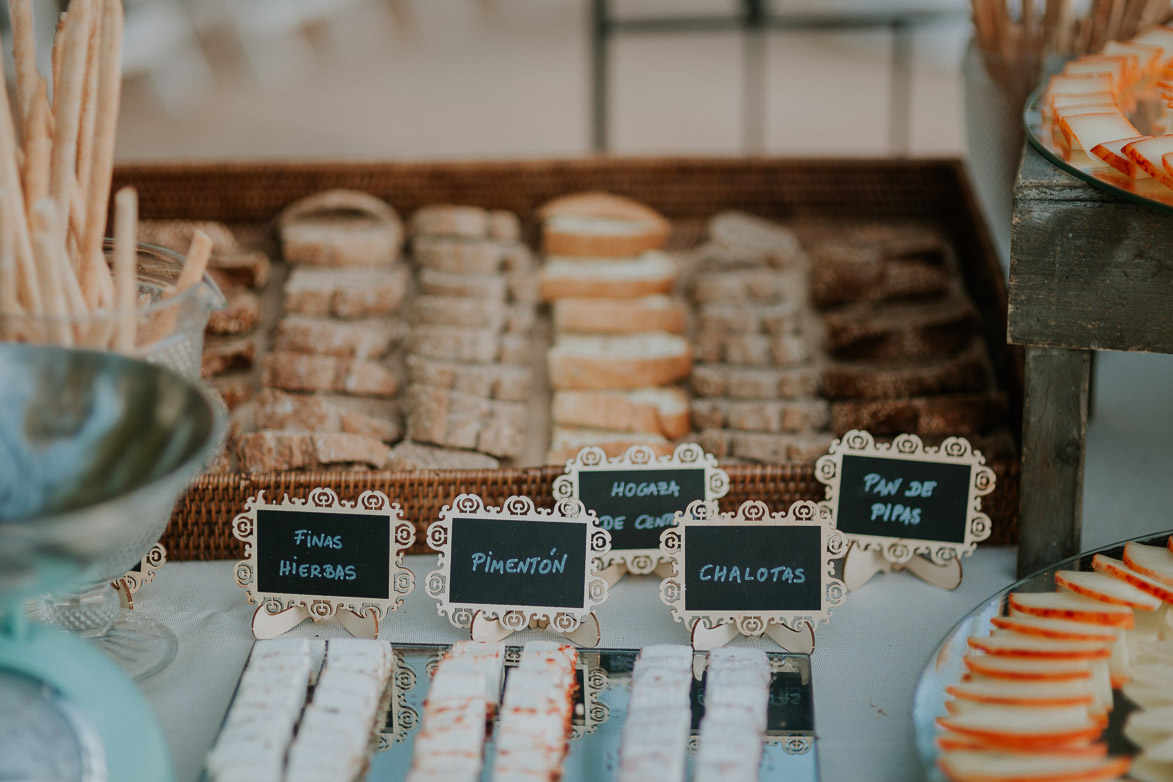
<point>1148,118</point>
<point>945,667</point>
<point>604,687</point>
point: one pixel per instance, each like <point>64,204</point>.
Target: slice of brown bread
<point>737,285</point>
<point>963,373</point>
<point>471,222</point>
<point>618,362</point>
<point>227,354</point>
<point>250,268</point>
<point>340,228</point>
<point>281,411</point>
<point>910,330</point>
<point>750,382</point>
<point>782,350</point>
<point>757,237</point>
<point>662,411</point>
<point>346,293</point>
<point>459,311</point>
<point>621,316</point>
<point>958,414</point>
<point>455,255</point>
<point>600,225</point>
<point>765,415</point>
<point>241,313</point>
<point>452,343</point>
<point>269,451</point>
<point>566,442</point>
<point>510,382</point>
<point>360,339</point>
<point>593,278</point>
<point>407,455</point>
<point>459,420</point>
<point>309,372</point>
<point>844,273</point>
<point>488,287</point>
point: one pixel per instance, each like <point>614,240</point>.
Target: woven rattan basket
<point>687,190</point>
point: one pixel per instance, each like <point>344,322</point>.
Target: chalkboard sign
<point>907,498</point>
<point>517,563</point>
<point>636,496</point>
<point>753,568</point>
<point>325,554</point>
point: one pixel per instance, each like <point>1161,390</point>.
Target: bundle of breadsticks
<point>56,167</point>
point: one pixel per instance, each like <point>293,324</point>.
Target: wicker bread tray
<point>687,190</point>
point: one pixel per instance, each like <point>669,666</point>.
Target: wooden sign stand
<point>136,579</point>
<point>659,486</point>
<point>711,621</point>
<point>279,611</point>
<point>466,529</point>
<point>906,484</point>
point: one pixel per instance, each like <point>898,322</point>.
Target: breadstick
<point>125,257</point>
<point>9,307</point>
<point>67,107</point>
<point>28,285</point>
<point>194,265</point>
<point>56,52</point>
<point>38,147</point>
<point>24,58</point>
<point>44,229</point>
<point>89,107</point>
<point>96,274</point>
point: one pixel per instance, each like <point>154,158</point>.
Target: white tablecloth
<point>866,661</point>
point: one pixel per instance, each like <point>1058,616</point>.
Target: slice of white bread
<point>566,442</point>
<point>661,411</point>
<point>618,362</point>
<point>621,316</point>
<point>601,278</point>
<point>600,225</point>
<point>339,228</point>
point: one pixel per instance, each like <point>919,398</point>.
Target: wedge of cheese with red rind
<point>1020,669</point>
<point>1161,37</point>
<point>1149,727</point>
<point>1148,56</point>
<point>1106,588</point>
<point>1068,605</point>
<point>1079,84</point>
<point>1036,694</point>
<point>1115,568</point>
<point>1017,645</point>
<point>949,741</point>
<point>1055,628</point>
<point>1119,66</point>
<point>1087,130</point>
<point>1157,675</point>
<point>1156,562</point>
<point>1112,153</point>
<point>1009,726</point>
<point>1148,153</point>
<point>971,766</point>
<point>956,707</point>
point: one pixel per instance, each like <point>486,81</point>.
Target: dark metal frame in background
<point>754,22</point>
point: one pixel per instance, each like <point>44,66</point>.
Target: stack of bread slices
<point>756,380</point>
<point>469,372</point>
<point>619,346</point>
<point>328,386</point>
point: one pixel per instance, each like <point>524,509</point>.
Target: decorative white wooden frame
<point>404,717</point>
<point>640,457</point>
<point>564,620</point>
<point>710,629</point>
<point>134,580</point>
<point>595,712</point>
<point>365,613</point>
<point>899,551</point>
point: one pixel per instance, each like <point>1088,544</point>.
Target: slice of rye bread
<point>737,285</point>
<point>470,313</point>
<point>755,237</point>
<point>309,372</point>
<point>360,339</point>
<point>339,229</point>
<point>227,354</point>
<point>618,362</point>
<point>779,350</point>
<point>965,372</point>
<point>566,442</point>
<point>749,382</point>
<point>241,313</point>
<point>621,316</point>
<point>477,346</point>
<point>768,448</point>
<point>269,451</point>
<point>485,287</point>
<point>407,455</point>
<point>918,329</point>
<point>471,222</point>
<point>840,274</point>
<point>761,415</point>
<point>727,318</point>
<point>464,256</point>
<point>593,278</point>
<point>600,225</point>
<point>933,415</point>
<point>346,293</point>
<point>459,420</point>
<point>234,389</point>
<point>281,411</point>
<point>509,382</point>
<point>662,411</point>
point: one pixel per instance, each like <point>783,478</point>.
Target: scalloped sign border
<point>753,513</point>
<point>909,447</point>
<point>563,619</point>
<point>322,607</point>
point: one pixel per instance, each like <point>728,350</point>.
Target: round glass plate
<point>945,667</point>
<point>1043,136</point>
